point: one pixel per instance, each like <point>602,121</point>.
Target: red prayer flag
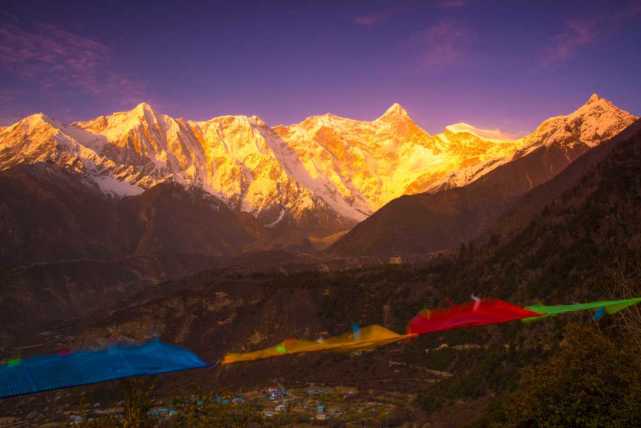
<point>481,312</point>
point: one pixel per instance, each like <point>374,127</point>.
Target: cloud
<point>55,58</point>
<point>375,18</point>
<point>444,43</point>
<point>577,33</point>
<point>368,20</point>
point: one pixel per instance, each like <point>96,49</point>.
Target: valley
<point>178,263</point>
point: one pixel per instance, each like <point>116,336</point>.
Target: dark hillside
<point>581,246</point>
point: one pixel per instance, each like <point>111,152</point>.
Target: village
<point>276,405</point>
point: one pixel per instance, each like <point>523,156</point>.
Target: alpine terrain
<point>319,177</point>
<point>471,200</point>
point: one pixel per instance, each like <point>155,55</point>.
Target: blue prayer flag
<point>57,371</point>
<point>599,313</point>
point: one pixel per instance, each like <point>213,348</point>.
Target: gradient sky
<point>445,61</point>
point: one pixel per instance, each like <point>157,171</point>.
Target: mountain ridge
<point>51,213</point>
<point>319,176</point>
<point>446,219</point>
<point>240,159</point>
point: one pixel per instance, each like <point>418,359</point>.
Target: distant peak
<point>596,102</point>
<point>394,112</point>
<point>594,98</point>
<point>143,110</point>
<point>37,119</point>
<point>396,109</point>
<point>37,116</point>
<point>493,134</point>
<point>462,127</point>
<point>143,107</point>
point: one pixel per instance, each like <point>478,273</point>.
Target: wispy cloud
<point>577,33</point>
<point>373,19</point>
<point>444,43</point>
<point>368,20</point>
<point>56,58</point>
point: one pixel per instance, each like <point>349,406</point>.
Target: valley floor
<point>300,406</point>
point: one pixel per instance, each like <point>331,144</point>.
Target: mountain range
<point>112,239</point>
<point>321,175</point>
<point>459,212</point>
<point>566,253</point>
<point>153,184</point>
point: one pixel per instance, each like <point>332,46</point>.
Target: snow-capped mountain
<point>367,164</point>
<point>321,175</point>
<point>37,138</point>
<point>592,123</point>
<point>237,158</point>
<point>477,151</point>
<point>470,201</point>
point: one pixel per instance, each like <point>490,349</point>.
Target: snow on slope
<point>488,134</point>
<point>278,219</point>
<point>371,163</point>
<point>590,124</point>
<point>111,186</point>
<point>367,164</point>
<point>326,168</point>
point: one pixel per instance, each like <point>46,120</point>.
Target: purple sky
<point>445,61</point>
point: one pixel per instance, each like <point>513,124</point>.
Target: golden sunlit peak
<point>37,119</point>
<point>394,112</point>
<point>143,107</point>
<point>594,98</point>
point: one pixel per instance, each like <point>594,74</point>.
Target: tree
<point>589,382</point>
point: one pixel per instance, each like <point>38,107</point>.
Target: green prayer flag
<point>611,307</point>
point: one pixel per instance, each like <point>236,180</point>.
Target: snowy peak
<point>594,98</point>
<point>32,130</point>
<point>145,112</point>
<point>36,120</point>
<point>491,134</point>
<point>122,122</point>
<point>393,113</point>
<point>143,107</point>
<point>596,103</point>
<point>327,170</point>
<point>593,122</point>
<point>369,163</point>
